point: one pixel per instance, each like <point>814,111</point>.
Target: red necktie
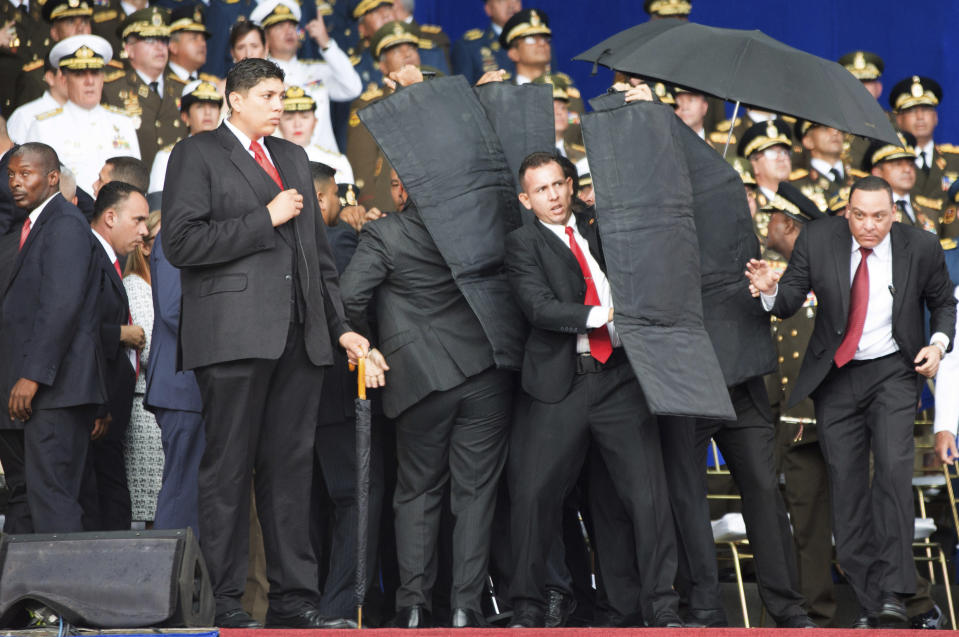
<point>858,303</point>
<point>600,347</point>
<point>116,266</point>
<point>24,231</point>
<point>264,163</point>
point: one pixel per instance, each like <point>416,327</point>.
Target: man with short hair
<point>479,50</point>
<point>864,368</point>
<point>50,363</point>
<point>331,78</point>
<point>370,16</point>
<point>83,132</point>
<point>895,164</point>
<point>200,108</point>
<point>825,173</point>
<point>144,89</point>
<point>187,46</point>
<point>241,223</point>
<point>126,169</point>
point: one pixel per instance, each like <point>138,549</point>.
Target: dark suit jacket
<point>549,286</point>
<point>167,388</point>
<point>427,331</point>
<point>11,217</point>
<point>114,312</point>
<point>48,330</point>
<point>339,385</point>
<point>235,268</point>
<point>820,262</point>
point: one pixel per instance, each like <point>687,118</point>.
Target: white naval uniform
<point>344,172</point>
<point>332,78</point>
<point>20,119</point>
<point>158,171</point>
<point>85,139</point>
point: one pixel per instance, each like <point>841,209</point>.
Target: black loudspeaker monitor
<point>117,579</point>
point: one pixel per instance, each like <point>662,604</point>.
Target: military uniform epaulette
<point>209,77</point>
<point>114,109</point>
<point>719,137</point>
<point>426,44</point>
<point>169,147</point>
<point>32,66</point>
<point>726,124</point>
<point>799,173</point>
<point>114,76</point>
<point>948,148</point>
<point>578,147</point>
<point>947,244</point>
<point>104,16</point>
<point>788,118</point>
<point>928,202</point>
<point>372,93</point>
<point>858,174</point>
<point>355,59</point>
<point>473,34</point>
<point>117,64</point>
<point>311,61</point>
<point>431,28</point>
<point>573,92</point>
<point>173,76</point>
<point>49,114</point>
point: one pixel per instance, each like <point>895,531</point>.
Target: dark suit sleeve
<point>533,293</point>
<point>67,263</point>
<point>166,287</point>
<point>333,301</point>
<point>194,237</point>
<point>794,285</point>
<point>369,267</point>
<point>110,340</point>
<point>938,293</point>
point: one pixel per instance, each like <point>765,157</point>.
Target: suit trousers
<point>549,444</point>
<point>108,493</point>
<point>46,459</point>
<point>748,446</point>
<point>181,433</point>
<point>260,420</point>
<point>458,436</point>
<point>862,406</point>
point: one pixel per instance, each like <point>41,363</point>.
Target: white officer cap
<point>81,52</point>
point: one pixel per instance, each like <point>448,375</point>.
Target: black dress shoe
<point>308,618</point>
<point>666,619</point>
<point>893,609</point>
<point>933,619</point>
<point>798,621</point>
<point>414,616</point>
<point>866,622</point>
<point>527,616</point>
<point>708,617</point>
<point>467,618</point>
<point>559,606</point>
<point>236,618</point>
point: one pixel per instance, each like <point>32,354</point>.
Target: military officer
<point>745,172</point>
<point>108,15</point>
<point>479,50</point>
<point>297,124</point>
<point>200,106</point>
<point>370,15</point>
<point>434,44</point>
<point>668,9</point>
<point>144,89</point>
<point>914,101</point>
<point>84,133</point>
<point>743,122</point>
<point>28,44</point>
<point>54,97</point>
<point>573,152</point>
<point>188,39</point>
<point>332,78</point>
<point>825,171</point>
<point>767,146</point>
<point>896,164</point>
<point>867,68</point>
<point>948,227</point>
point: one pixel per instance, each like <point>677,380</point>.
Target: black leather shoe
<point>933,619</point>
<point>708,617</point>
<point>308,618</point>
<point>527,616</point>
<point>467,618</point>
<point>236,618</point>
<point>866,622</point>
<point>893,609</point>
<point>666,619</point>
<point>559,606</point>
<point>414,616</point>
<point>798,621</point>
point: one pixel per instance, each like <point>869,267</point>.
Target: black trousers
<point>458,436</point>
<point>748,446</point>
<point>44,464</point>
<point>861,407</point>
<point>106,496</point>
<point>260,421</point>
<point>549,445</point>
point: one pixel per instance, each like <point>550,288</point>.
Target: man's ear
<point>524,199</point>
<point>513,54</point>
<point>236,101</point>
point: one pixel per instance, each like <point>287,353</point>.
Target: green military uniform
<point>26,51</point>
<point>433,38</point>
<point>865,67</point>
<point>157,116</point>
<point>927,210</point>
<point>108,15</point>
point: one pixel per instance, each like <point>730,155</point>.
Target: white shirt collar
<point>36,211</point>
<point>823,167</point>
<point>76,109</point>
<point>883,251</point>
<point>180,72</point>
<point>409,19</point>
<point>929,149</point>
<point>16,3</point>
<point>522,79</point>
<point>560,230</point>
<point>497,29</point>
<point>127,7</point>
<point>106,246</point>
<point>240,135</point>
<point>147,80</point>
<point>702,133</point>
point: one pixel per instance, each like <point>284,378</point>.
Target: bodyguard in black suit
<point>261,310</point>
<point>864,368</point>
<point>119,224</point>
<point>573,392</point>
<point>50,363</point>
<point>450,403</point>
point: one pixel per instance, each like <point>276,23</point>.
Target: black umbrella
<point>746,67</point>
<point>363,418</point>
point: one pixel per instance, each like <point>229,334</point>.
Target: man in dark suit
<point>119,224</point>
<point>261,310</point>
<point>864,368</point>
<point>9,214</point>
<point>51,363</point>
<point>578,385</point>
<point>174,398</point>
<point>450,402</point>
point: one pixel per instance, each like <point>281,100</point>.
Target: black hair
<point>537,159</point>
<point>49,160</point>
<point>871,184</point>
<point>130,170</point>
<point>242,28</point>
<point>321,172</point>
<point>570,170</point>
<point>111,195</point>
<point>247,73</point>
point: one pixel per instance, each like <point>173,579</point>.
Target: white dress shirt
<point>877,338</point>
<point>947,391</point>
<point>182,73</point>
<point>822,167</point>
<point>35,213</point>
<point>246,141</point>
<point>147,80</point>
<point>598,315</point>
<point>112,254</point>
<point>905,198</point>
<point>928,149</point>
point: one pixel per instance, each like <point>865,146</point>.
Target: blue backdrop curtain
<point>920,37</point>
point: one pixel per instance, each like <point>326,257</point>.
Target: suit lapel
<point>586,224</point>
<point>559,247</point>
<point>48,211</point>
<point>287,169</point>
<point>901,264</point>
<point>259,181</point>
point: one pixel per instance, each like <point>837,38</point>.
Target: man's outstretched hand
<point>762,277</point>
